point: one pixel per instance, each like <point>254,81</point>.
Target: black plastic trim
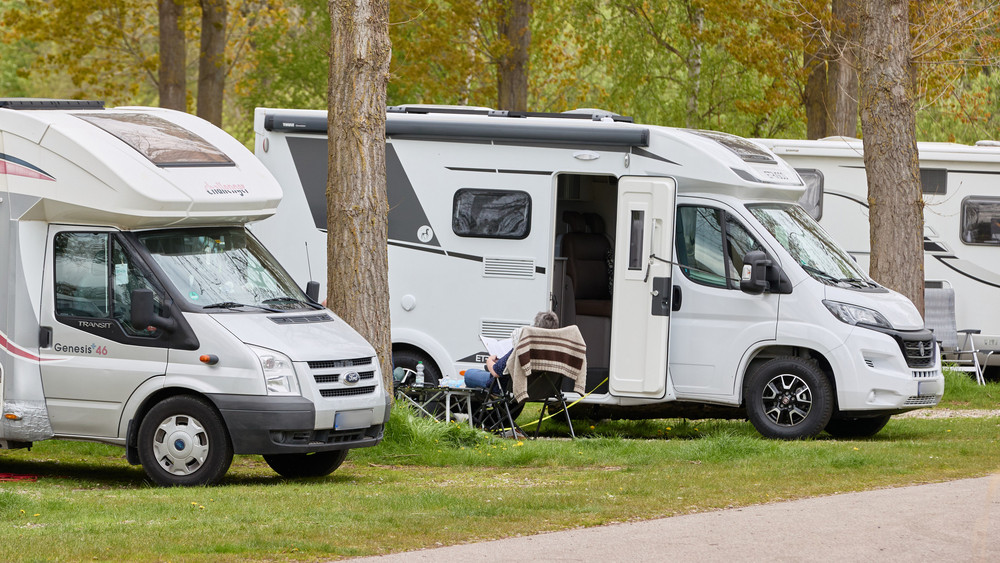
<point>45,103</point>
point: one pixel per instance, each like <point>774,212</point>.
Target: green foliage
<point>962,392</point>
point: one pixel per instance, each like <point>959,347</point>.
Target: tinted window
<point>699,245</point>
<point>981,220</point>
<point>164,143</point>
<point>812,199</point>
<point>491,213</point>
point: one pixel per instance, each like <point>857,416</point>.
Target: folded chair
<point>939,316</point>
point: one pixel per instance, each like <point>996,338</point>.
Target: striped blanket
<point>559,350</point>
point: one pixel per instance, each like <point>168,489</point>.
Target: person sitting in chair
<point>496,368</point>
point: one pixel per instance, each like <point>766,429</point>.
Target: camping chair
<point>541,360</point>
<point>546,387</point>
<point>939,316</point>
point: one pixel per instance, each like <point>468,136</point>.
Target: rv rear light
<point>11,416</point>
<point>210,359</point>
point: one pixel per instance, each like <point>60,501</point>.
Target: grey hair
<point>547,319</point>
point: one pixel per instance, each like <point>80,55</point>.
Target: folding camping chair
<point>939,316</point>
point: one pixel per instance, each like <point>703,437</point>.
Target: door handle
<point>675,302</point>
<point>44,337</point>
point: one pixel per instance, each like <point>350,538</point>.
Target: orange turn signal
<point>210,359</point>
<point>11,416</point>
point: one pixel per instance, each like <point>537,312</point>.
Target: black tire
<point>183,442</point>
<point>856,427</point>
<point>315,464</point>
<point>409,358</point>
<point>789,398</point>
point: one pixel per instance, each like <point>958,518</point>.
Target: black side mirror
<point>754,276</point>
<point>312,291</point>
<point>143,314</point>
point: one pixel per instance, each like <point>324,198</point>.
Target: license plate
<point>926,388</point>
<point>349,420</point>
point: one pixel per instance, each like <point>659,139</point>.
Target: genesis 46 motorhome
<point>137,310</point>
<point>961,191</point>
<point>699,284</point>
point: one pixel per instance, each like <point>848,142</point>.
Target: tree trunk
<point>696,17</point>
<point>212,63</point>
<point>173,58</point>
<point>842,76</point>
<point>512,69</point>
<point>888,122</point>
<point>357,206</point>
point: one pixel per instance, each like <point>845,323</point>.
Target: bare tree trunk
<point>512,70</point>
<point>842,76</point>
<point>888,121</point>
<point>696,17</point>
<point>173,58</point>
<point>212,63</point>
<point>357,206</point>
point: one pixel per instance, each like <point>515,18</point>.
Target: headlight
<point>854,315</point>
<point>279,375</point>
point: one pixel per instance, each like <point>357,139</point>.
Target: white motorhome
<point>137,310</point>
<point>961,217</point>
<point>699,284</point>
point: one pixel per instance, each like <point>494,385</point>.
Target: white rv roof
<point>702,161</point>
<point>130,167</point>
<point>845,147</point>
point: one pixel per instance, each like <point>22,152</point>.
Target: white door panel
<point>641,300</point>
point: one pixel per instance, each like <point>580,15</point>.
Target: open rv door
<point>642,285</point>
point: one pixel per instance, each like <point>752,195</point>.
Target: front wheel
<point>315,464</point>
<point>183,442</point>
<point>857,427</point>
<point>789,398</point>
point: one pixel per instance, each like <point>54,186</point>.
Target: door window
<point>700,250</point>
<point>88,285</point>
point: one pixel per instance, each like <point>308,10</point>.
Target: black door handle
<point>675,304</point>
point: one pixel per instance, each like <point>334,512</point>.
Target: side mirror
<point>312,291</point>
<point>143,314</point>
<point>754,279</point>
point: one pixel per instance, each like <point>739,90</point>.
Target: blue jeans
<point>484,380</point>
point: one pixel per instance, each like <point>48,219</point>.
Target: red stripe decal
<point>14,169</point>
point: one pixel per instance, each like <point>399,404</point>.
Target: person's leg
<point>478,378</point>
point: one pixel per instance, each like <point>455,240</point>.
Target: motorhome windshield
<point>223,268</point>
<point>810,246</point>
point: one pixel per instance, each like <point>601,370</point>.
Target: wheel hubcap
<point>787,400</point>
<point>180,445</point>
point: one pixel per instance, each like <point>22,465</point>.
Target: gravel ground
<point>949,413</point>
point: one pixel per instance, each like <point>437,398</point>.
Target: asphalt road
<point>953,521</point>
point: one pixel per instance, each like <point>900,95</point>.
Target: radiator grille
<point>348,391</point>
<point>332,364</point>
<point>333,378</point>
<point>916,401</point>
<point>499,329</point>
<point>519,268</point>
<point>919,353</point>
<point>925,374</point>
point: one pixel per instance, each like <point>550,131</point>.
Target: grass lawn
<point>430,484</point>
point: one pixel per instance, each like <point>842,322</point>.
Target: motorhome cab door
<point>99,357</point>
<point>641,298</point>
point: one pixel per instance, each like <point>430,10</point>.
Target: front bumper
<point>879,378</point>
<point>287,425</point>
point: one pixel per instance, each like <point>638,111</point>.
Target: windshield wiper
<point>286,299</point>
<point>857,282</point>
<point>235,305</point>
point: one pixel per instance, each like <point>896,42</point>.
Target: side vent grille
<point>518,268</point>
<point>499,329</point>
<point>297,320</point>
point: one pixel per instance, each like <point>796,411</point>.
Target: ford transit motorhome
<point>136,309</point>
<point>961,217</point>
<point>699,284</point>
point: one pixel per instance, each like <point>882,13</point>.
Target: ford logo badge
<point>352,377</point>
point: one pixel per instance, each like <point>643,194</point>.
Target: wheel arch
<point>132,432</point>
<point>765,353</point>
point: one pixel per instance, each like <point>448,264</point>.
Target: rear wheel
<point>789,398</point>
<point>315,464</point>
<point>857,427</point>
<point>409,359</point>
<point>183,442</point>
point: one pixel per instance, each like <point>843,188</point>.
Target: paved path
<point>953,521</point>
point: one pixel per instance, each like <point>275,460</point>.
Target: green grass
<point>962,392</point>
<point>433,484</point>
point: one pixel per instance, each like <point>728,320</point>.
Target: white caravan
<point>961,190</point>
<point>698,283</point>
<point>136,309</point>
